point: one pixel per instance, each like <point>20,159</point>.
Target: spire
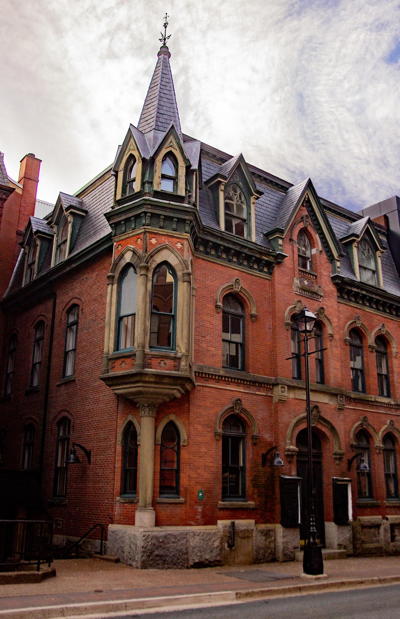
<point>160,109</point>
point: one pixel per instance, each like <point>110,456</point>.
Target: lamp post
<point>312,555</point>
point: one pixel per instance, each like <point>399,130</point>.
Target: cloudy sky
<point>301,87</point>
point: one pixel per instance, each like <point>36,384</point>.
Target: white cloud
<point>302,88</point>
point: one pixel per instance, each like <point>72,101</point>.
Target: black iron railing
<point>74,546</point>
<point>25,542</point>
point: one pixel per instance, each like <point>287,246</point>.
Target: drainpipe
<point>47,389</point>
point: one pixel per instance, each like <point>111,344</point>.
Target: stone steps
<point>327,553</point>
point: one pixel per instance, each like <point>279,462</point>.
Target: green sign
<point>200,495</point>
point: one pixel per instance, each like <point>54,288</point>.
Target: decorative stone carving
<point>147,410</point>
<point>341,402</point>
<point>280,393</point>
<point>315,415</point>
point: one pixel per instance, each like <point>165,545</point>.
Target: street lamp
<point>312,555</point>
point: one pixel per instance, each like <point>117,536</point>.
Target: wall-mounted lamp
<point>276,460</point>
<point>363,467</point>
<point>73,457</point>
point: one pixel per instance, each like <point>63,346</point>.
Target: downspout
<point>47,390</point>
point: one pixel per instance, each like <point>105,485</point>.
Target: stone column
<point>141,315</point>
<point>145,514</point>
<point>186,321</point>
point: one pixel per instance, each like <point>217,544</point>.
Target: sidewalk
<point>93,586</point>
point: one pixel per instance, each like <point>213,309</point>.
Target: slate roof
<point>39,225</point>
<point>3,171</point>
<point>288,203</point>
<point>228,166</point>
<point>68,200</point>
<point>356,227</point>
<point>160,109</point>
<point>95,226</point>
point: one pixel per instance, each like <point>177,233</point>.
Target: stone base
<point>196,546</point>
<point>145,517</point>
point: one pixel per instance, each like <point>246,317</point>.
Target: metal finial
<point>164,37</point>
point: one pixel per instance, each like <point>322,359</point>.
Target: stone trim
<point>179,424</point>
<point>237,408</point>
<point>236,287</point>
<point>236,505</point>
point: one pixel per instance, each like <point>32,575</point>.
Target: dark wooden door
<point>302,471</point>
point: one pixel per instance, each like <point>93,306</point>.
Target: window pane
<point>167,184</point>
<point>127,299</point>
<point>168,167</point>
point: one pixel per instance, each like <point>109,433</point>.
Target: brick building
<point>149,333</point>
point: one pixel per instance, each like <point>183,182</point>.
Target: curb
<point>96,609</point>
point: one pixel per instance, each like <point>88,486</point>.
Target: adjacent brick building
<point>149,332</point>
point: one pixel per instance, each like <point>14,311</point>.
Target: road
<point>371,603</point>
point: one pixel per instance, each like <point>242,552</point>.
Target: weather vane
<point>164,37</point>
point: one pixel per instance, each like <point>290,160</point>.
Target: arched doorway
<point>302,471</point>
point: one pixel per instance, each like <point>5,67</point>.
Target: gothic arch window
<point>28,446</point>
<point>169,173</point>
<point>163,307</point>
<point>367,262</point>
<point>126,308</point>
<point>390,467</point>
<point>10,365</point>
<point>357,361</point>
<point>232,332</point>
<point>236,211</point>
<point>37,354</point>
<point>233,458</point>
<point>304,251</point>
<point>129,460</point>
<point>319,354</point>
<point>364,478</point>
<point>71,334</point>
<point>61,240</point>
<point>129,178</point>
<point>382,366</point>
<point>169,461</point>
<point>62,449</point>
<point>295,342</point>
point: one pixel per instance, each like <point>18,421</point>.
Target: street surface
<point>371,603</point>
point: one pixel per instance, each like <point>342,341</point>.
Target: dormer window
<point>31,262</point>
<point>367,262</point>
<point>304,251</point>
<point>169,174</point>
<point>235,211</point>
<point>130,172</point>
<point>62,238</point>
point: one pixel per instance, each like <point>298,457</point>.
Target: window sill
<point>32,390</point>
<point>67,379</point>
<point>127,352</point>
<point>367,503</point>
<point>127,499</point>
<point>166,499</point>
<point>236,505</point>
<point>302,271</point>
<point>57,500</point>
<point>392,502</point>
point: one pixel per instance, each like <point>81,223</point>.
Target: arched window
<point>319,354</point>
<point>129,460</point>
<point>382,367</point>
<point>236,214</point>
<point>61,242</point>
<point>169,173</point>
<point>232,333</point>
<point>364,478</point>
<point>27,447</point>
<point>70,341</point>
<point>163,307</point>
<point>304,251</point>
<point>62,449</point>
<point>169,461</point>
<point>367,262</point>
<point>37,354</point>
<point>31,262</point>
<point>390,467</point>
<point>233,459</point>
<point>356,362</point>
<point>10,365</point>
<point>295,342</point>
<point>126,308</point>
<point>130,171</point>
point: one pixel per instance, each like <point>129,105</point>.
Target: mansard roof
<point>40,225</point>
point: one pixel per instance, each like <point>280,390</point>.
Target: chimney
<point>29,178</point>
